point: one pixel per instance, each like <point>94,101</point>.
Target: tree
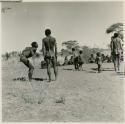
<point>65,52</point>
<point>71,44</point>
<point>117,27</point>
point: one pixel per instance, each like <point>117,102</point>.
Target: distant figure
<point>116,50</point>
<point>92,59</point>
<point>98,61</point>
<point>75,58</point>
<point>27,53</point>
<point>103,58</point>
<point>65,61</point>
<point>108,58</point>
<point>70,62</point>
<point>49,49</point>
<point>80,60</point>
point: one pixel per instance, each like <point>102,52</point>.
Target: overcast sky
<point>85,22</point>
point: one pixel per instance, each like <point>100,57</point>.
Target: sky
<point>85,22</point>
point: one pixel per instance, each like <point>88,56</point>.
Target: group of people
<point>79,61</point>
<point>106,58</point>
<point>49,48</point>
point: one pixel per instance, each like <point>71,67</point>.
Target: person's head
<point>73,49</point>
<point>115,35</point>
<point>47,32</point>
<point>34,44</point>
<point>80,52</point>
<point>92,55</point>
<point>98,54</point>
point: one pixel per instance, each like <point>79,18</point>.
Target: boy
<point>98,61</point>
<point>49,49</point>
<point>80,60</point>
<point>27,53</point>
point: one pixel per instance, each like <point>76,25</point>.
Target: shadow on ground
<point>104,69</point>
<point>39,79</point>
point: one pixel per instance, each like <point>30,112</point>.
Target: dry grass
<point>76,96</point>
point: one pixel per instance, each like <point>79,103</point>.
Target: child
<point>27,53</point>
<point>98,61</point>
<point>80,60</point>
<point>75,58</point>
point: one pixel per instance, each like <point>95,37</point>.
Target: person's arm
<point>96,60</point>
<point>33,51</point>
<point>120,44</point>
<point>43,48</point>
<point>111,46</point>
<point>55,49</point>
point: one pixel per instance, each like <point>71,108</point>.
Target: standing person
<point>49,49</point>
<point>80,60</point>
<point>75,58</point>
<point>98,61</point>
<point>116,50</point>
<point>27,53</point>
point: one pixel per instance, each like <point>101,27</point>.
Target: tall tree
<point>117,27</point>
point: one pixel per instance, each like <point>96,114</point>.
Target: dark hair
<point>47,32</point>
<point>80,51</point>
<point>98,54</point>
<point>34,44</point>
<point>115,34</point>
<point>73,49</point>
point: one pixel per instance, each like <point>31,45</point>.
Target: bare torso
<point>49,43</point>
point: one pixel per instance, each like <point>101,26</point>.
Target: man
<point>49,49</point>
<point>116,50</point>
<point>27,53</point>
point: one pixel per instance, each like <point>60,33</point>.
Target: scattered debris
<point>20,79</point>
<point>61,100</point>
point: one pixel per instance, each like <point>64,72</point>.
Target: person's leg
<point>54,64</point>
<point>98,68</point>
<point>48,68</point>
<point>74,63</point>
<point>31,69</point>
<point>118,61</point>
<point>29,65</point>
<point>82,66</point>
<point>115,62</point>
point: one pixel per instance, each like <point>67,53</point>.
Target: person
<point>80,60</point>
<point>92,59</point>
<point>75,58</point>
<point>65,61</point>
<point>49,49</point>
<point>27,53</point>
<point>98,61</point>
<point>116,50</point>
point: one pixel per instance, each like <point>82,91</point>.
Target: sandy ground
<point>77,96</point>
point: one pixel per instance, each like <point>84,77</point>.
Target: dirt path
<point>84,96</point>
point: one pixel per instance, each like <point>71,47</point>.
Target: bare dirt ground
<point>77,96</point>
